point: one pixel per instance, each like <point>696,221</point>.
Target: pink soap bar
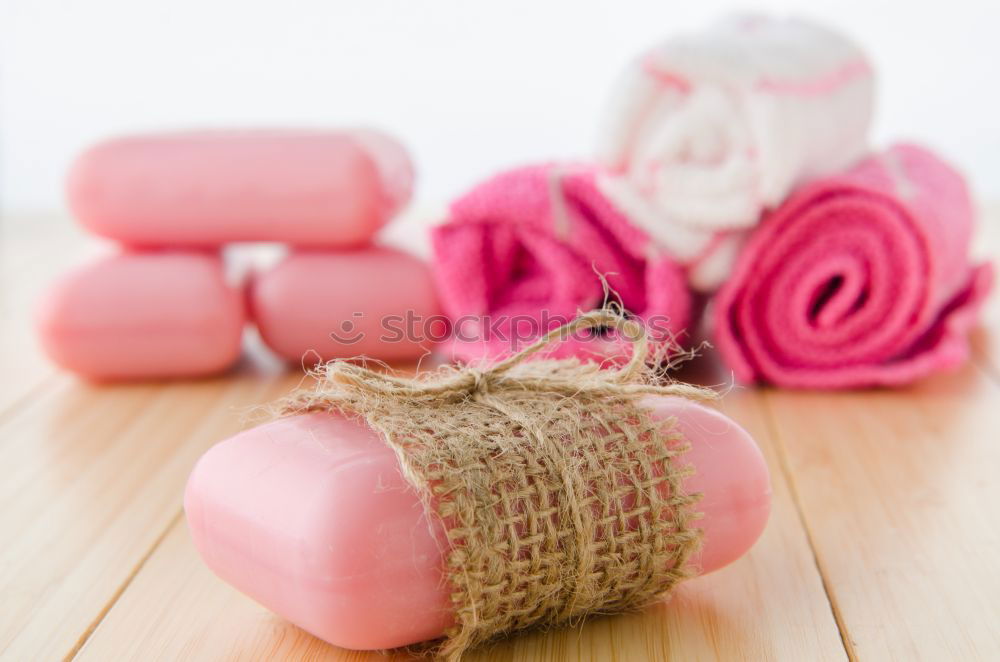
<point>310,516</point>
<point>205,188</point>
<point>378,302</point>
<point>143,315</point>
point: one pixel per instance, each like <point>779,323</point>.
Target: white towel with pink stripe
<point>708,130</point>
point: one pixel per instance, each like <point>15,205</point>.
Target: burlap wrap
<point>558,492</point>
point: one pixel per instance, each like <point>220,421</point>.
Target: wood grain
<point>92,479</point>
<point>882,544</point>
<point>900,494</point>
<point>769,606</point>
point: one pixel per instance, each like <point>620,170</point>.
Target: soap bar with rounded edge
<point>205,188</point>
<point>377,302</point>
<point>143,316</point>
<point>310,516</point>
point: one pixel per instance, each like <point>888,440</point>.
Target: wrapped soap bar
<point>369,520</point>
<point>377,302</point>
<point>143,316</point>
<point>204,188</point>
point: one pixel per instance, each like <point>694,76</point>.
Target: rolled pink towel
<point>859,279</point>
<point>521,253</point>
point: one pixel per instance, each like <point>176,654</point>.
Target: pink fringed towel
<point>857,280</point>
<point>520,254</point>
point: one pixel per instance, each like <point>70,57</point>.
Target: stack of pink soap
<point>164,306</point>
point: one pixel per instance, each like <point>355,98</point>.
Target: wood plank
<point>769,605</point>
<point>895,489</point>
<point>93,477</point>
<point>899,492</point>
<point>154,619</point>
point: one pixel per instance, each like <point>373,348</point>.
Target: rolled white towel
<point>708,130</point>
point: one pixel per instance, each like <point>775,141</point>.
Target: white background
<point>470,86</point>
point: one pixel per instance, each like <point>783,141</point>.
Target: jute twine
<point>559,494</point>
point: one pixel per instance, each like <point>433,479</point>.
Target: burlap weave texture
<point>559,493</point>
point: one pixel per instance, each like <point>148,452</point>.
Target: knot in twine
<point>568,377</point>
<point>559,493</point>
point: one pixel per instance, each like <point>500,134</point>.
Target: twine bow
<point>568,376</point>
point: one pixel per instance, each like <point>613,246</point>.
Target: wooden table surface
<point>884,542</point>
